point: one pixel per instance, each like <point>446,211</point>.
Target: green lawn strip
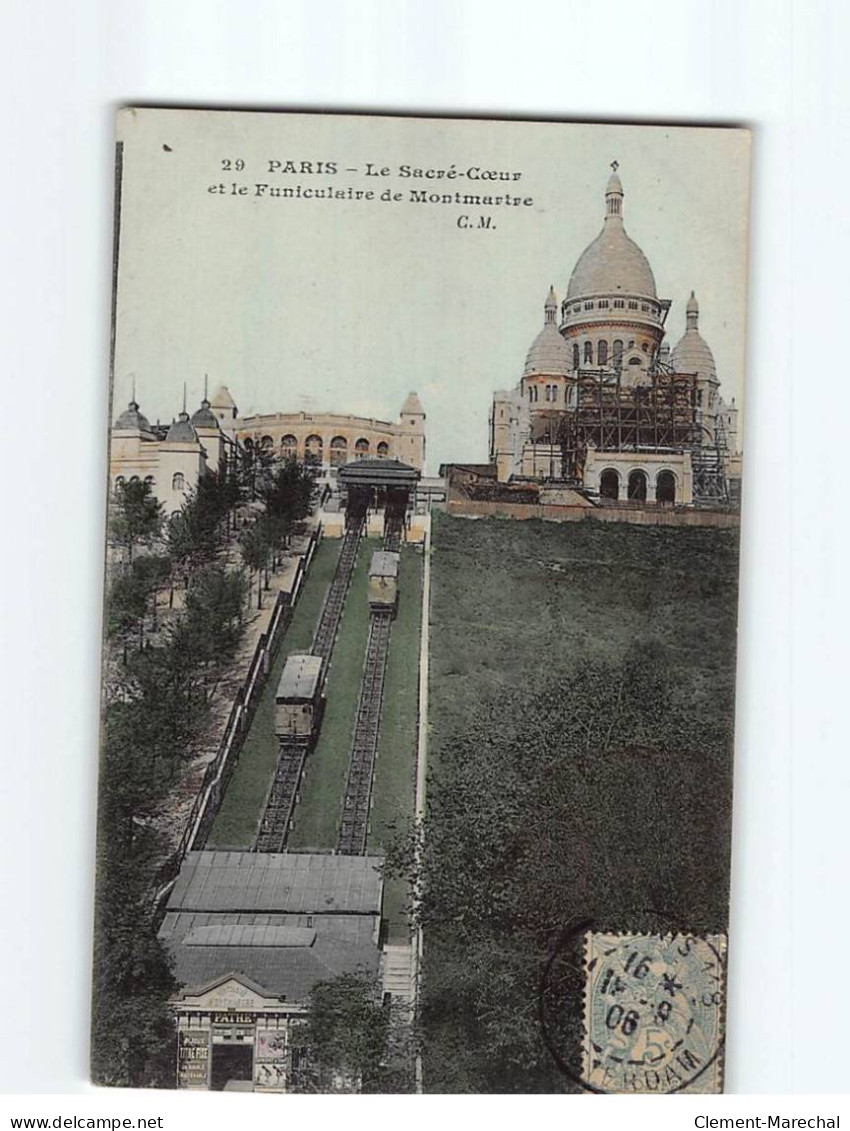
<point>323,785</point>
<point>395,770</point>
<point>241,808</point>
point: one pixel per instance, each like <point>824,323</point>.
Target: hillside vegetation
<point>582,697</point>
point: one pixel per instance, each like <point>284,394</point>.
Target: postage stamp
<point>653,1016</point>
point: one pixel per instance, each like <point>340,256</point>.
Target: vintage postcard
<point>424,500</point>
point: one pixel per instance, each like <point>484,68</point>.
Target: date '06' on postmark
<point>653,1014</point>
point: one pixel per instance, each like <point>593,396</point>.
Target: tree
<point>552,805</point>
<point>256,551</point>
<point>255,466</point>
<point>355,1042</point>
<point>287,492</point>
<point>214,619</point>
<point>129,595</point>
<point>137,516</point>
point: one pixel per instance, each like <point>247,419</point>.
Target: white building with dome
<point>603,404</point>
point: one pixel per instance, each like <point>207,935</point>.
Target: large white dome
<point>613,263</point>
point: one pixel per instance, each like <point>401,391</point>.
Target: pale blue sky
<point>346,306</point>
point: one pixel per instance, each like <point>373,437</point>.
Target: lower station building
<point>604,405</point>
<point>251,933</point>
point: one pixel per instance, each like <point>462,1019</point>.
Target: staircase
<point>398,971</point>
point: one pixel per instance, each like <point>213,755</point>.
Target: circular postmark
<point>652,1017</point>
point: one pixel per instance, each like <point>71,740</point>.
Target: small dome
<point>181,431</point>
<point>133,420</point>
<point>613,262</point>
<point>204,418</point>
<point>549,355</point>
<point>614,184</point>
<point>692,354</point>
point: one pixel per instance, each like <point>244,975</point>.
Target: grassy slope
<point>514,603</point>
<point>395,771</point>
<point>317,815</point>
<point>242,805</point>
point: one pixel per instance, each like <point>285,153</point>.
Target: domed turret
<point>133,420</point>
<point>549,355</point>
<point>692,354</point>
<point>181,431</point>
<point>204,416</point>
<point>613,263</point>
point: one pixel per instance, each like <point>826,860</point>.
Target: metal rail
<point>358,790</point>
<point>326,631</point>
<point>277,818</point>
<point>393,525</point>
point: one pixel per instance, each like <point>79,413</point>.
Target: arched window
<point>134,479</point>
<point>150,482</point>
<point>665,487</point>
<point>618,353</point>
<point>361,448</point>
<point>119,483</point>
<point>576,356</point>
<point>178,481</point>
<point>588,353</point>
<point>602,353</point>
<point>266,443</point>
<point>313,449</point>
<point>288,446</point>
<point>339,451</point>
<point>383,449</point>
<point>609,484</point>
<point>637,486</point>
<point>249,445</point>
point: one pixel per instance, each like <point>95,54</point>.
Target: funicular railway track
<point>277,816</point>
<point>393,524</point>
<point>364,746</point>
<point>323,641</point>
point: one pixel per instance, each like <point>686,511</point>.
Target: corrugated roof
<point>284,882</point>
<point>342,943</point>
<point>378,472</point>
<point>300,677</point>
<point>239,934</point>
<point>384,564</point>
<point>287,972</point>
